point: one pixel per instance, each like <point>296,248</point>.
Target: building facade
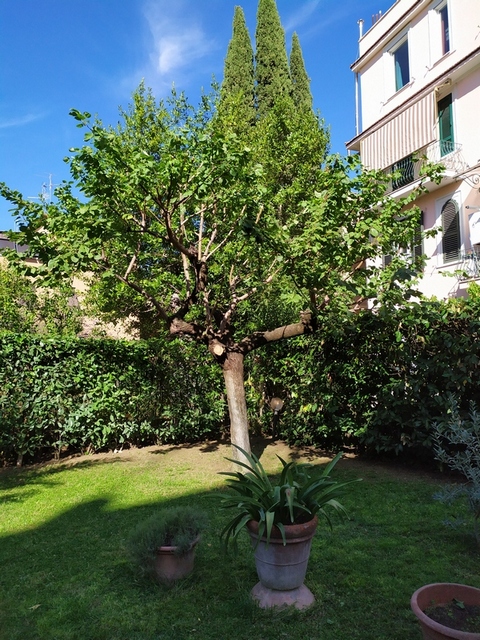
<point>417,82</point>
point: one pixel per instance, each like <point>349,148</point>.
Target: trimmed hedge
<point>90,395</point>
<point>375,381</point>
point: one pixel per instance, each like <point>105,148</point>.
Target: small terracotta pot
<point>442,593</point>
<point>171,566</point>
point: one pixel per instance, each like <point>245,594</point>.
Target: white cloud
<point>178,40</point>
<point>21,121</point>
<point>177,50</point>
<point>301,16</point>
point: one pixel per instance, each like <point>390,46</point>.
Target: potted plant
<point>281,518</point>
<point>163,546</point>
<point>446,610</point>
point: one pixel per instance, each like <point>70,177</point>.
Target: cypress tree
<point>238,75</point>
<point>302,96</point>
<point>272,74</point>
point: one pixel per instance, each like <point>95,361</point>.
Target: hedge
<point>89,395</point>
<point>370,381</point>
<point>375,381</point>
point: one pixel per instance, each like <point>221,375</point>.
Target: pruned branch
<point>257,339</point>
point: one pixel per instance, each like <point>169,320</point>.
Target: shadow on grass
<point>69,578</point>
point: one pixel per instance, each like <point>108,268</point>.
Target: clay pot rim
<point>436,626</point>
<point>170,549</point>
<point>296,532</point>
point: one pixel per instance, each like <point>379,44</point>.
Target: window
<point>451,241</point>
<point>440,31</point>
<point>402,68</point>
<point>445,124</point>
<point>445,31</point>
<point>414,250</point>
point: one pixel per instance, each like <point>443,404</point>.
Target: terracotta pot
<point>283,567</point>
<point>171,566</point>
<point>442,593</point>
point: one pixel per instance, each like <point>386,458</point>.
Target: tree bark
<point>233,374</point>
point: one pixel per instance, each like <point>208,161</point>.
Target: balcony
<point>469,267</point>
<point>408,169</point>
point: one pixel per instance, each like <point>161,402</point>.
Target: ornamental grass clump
<point>178,527</point>
<point>296,497</point>
<point>457,444</point>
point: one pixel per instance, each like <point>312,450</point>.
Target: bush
<point>373,381</point>
<point>87,395</point>
<point>177,527</point>
<point>457,444</point>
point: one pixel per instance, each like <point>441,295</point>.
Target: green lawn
<point>64,575</point>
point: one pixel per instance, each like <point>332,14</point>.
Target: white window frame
<point>436,48</point>
<point>392,48</point>
<point>439,204</point>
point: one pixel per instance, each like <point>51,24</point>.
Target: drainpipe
<point>357,123</point>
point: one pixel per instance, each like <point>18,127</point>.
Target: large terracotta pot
<point>442,593</point>
<point>283,567</point>
<point>170,566</point>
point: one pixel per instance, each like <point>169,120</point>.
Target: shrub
<point>177,527</point>
<point>457,444</point>
<point>70,394</point>
<point>373,381</point>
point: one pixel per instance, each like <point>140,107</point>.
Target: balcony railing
<point>408,169</point>
<point>469,267</point>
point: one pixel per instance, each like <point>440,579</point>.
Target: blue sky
<point>91,54</point>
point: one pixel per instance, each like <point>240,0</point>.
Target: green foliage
<point>272,75</point>
<point>372,381</point>
<point>238,74</point>
<point>302,96</point>
<point>202,226</point>
<point>296,497</point>
<point>17,301</point>
<point>457,444</point>
<point>60,395</point>
<point>25,308</point>
<point>178,527</point>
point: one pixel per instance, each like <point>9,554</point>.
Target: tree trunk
<point>233,374</point>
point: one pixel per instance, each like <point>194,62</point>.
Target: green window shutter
<point>451,231</point>
<point>445,124</point>
<point>417,248</point>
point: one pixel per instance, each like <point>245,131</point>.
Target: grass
<point>64,574</point>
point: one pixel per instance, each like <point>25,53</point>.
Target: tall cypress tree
<point>302,96</point>
<point>272,74</point>
<point>238,75</point>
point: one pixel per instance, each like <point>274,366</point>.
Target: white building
<point>418,95</point>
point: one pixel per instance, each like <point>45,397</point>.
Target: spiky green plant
<point>294,498</point>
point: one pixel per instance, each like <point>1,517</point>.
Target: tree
<point>25,308</point>
<point>179,209</point>
<point>302,96</point>
<point>272,76</point>
<point>17,302</point>
<point>238,75</point>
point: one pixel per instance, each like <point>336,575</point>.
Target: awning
<point>406,133</point>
